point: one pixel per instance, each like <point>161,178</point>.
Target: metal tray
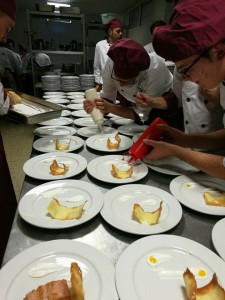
<point>46,110</point>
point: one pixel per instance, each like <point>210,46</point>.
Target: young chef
<point>114,30</point>
<point>194,40</point>
<point>130,70</point>
<point>7,198</point>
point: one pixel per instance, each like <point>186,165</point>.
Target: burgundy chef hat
<point>195,26</point>
<point>129,58</point>
<point>114,23</point>
<point>8,7</point>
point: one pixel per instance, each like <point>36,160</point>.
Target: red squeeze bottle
<point>140,149</point>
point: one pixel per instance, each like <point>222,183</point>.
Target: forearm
<point>208,163</point>
<point>159,102</point>
<point>125,112</point>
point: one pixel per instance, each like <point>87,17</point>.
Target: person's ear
<point>218,51</point>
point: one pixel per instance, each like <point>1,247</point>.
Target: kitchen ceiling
<point>87,7</point>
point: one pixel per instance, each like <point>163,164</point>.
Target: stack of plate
<point>51,82</point>
<point>71,83</point>
<point>87,81</point>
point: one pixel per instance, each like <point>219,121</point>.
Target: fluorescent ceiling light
<point>58,4</point>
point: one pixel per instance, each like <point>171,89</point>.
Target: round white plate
<point>136,137</point>
<point>189,190</point>
<point>33,205</point>
<point>97,270</point>
<point>218,234</point>
<point>58,101</point>
<point>77,106</point>
<point>80,114</point>
<point>132,129</point>
<point>54,130</point>
<point>77,101</point>
<point>65,113</point>
<point>100,168</point>
<point>99,142</point>
<point>75,93</point>
<point>47,143</point>
<point>90,131</point>
<point>54,96</point>
<point>39,166</point>
<point>119,202</point>
<point>171,166</point>
<point>136,279</point>
<point>62,121</point>
<point>54,93</point>
<point>121,121</point>
<point>85,122</point>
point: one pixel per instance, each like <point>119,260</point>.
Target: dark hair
<point>156,24</point>
<point>8,41</point>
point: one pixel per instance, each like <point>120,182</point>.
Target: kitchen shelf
<point>58,52</point>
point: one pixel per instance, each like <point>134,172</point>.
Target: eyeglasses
<point>127,82</point>
<point>185,71</point>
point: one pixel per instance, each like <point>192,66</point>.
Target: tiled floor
<point>17,139</point>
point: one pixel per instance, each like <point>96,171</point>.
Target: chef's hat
<point>8,7</point>
<point>114,23</point>
<point>129,58</point>
<point>195,26</point>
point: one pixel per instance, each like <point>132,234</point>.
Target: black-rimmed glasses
<point>127,82</point>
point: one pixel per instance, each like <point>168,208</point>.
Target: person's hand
<point>173,135</point>
<point>160,150</point>
<point>88,106</point>
<point>144,100</point>
<point>98,87</point>
<point>103,105</point>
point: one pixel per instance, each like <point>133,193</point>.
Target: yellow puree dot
<point>202,273</point>
<point>152,259</point>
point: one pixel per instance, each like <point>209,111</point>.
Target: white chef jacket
<point>200,115</point>
<point>100,59</point>
<point>42,59</point>
<point>154,81</point>
<point>4,103</point>
<point>149,48</point>
<point>11,60</point>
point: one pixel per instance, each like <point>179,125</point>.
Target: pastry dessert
<point>61,212</point>
<point>59,290</point>
<point>57,170</point>
<point>15,98</point>
<point>214,199</point>
<point>111,145</point>
<point>211,291</point>
<point>149,217</point>
<point>116,172</point>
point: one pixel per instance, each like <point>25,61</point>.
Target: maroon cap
<point>8,7</point>
<point>114,23</point>
<point>195,26</point>
<point>129,58</point>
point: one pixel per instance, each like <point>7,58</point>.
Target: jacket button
<point>206,101</point>
<point>223,82</point>
<point>186,122</point>
<point>188,99</point>
<point>203,125</point>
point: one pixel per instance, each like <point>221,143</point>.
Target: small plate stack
<point>51,82</point>
<point>71,83</point>
<point>87,81</point>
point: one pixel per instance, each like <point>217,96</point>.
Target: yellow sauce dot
<point>152,259</point>
<point>188,185</point>
<point>202,273</point>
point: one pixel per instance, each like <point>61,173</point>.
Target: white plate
<point>77,106</point>
<point>90,131</point>
<point>119,202</point>
<point>39,166</point>
<point>99,142</point>
<point>97,270</point>
<point>171,166</point>
<point>33,205</point>
<point>85,122</point>
<point>47,143</point>
<point>100,168</point>
<point>62,121</point>
<point>65,113</point>
<point>58,101</point>
<point>54,96</point>
<point>121,121</point>
<point>218,234</point>
<point>75,93</point>
<point>138,280</point>
<point>132,129</point>
<point>80,114</point>
<point>54,130</point>
<point>192,196</point>
<point>77,101</point>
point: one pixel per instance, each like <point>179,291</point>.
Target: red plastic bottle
<point>140,149</point>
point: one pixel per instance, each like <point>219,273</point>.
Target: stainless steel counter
<point>97,232</point>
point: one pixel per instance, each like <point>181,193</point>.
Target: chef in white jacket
<point>130,70</point>
<point>114,30</point>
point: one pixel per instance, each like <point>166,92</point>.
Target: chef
<point>196,44</point>
<point>7,196</point>
<point>114,30</point>
<point>130,70</point>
